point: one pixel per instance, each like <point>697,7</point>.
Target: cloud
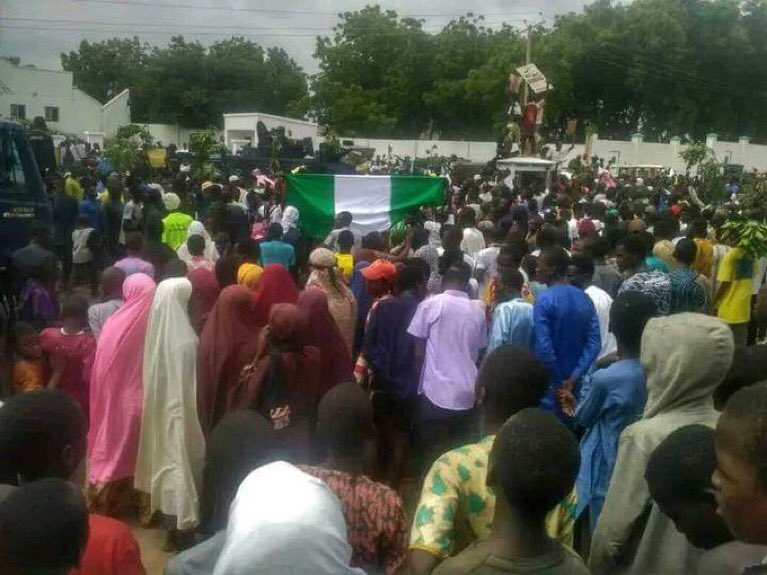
<point>39,30</point>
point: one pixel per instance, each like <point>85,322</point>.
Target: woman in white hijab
<point>171,445</point>
<point>285,521</point>
<point>210,253</point>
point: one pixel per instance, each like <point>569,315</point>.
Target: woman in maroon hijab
<point>229,342</point>
<point>282,382</point>
<point>323,331</point>
<point>275,286</point>
<point>205,292</point>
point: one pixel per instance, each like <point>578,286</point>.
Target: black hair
<point>134,242</point>
<point>557,258</point>
<point>513,379</point>
<point>535,461</point>
<point>35,427</point>
<point>274,231</point>
<point>452,238</point>
<point>344,420</point>
<point>344,219</point>
<point>685,251</point>
<point>548,236</point>
<point>596,245</point>
<point>745,413</point>
<point>665,227</point>
<point>414,272</point>
<point>698,229</point>
<point>680,468</point>
<point>76,306</point>
<point>195,244</point>
<point>420,238</point>
<point>345,239</point>
<point>43,527</point>
<point>373,241</point>
<point>241,442</point>
<point>19,331</point>
<point>516,247</point>
<point>749,364</point>
<point>629,315</point>
<point>634,245</point>
<point>584,265</point>
<point>510,279</point>
<point>175,268</point>
<point>467,216</point>
<point>458,274</point>
<point>40,232</point>
<point>248,250</point>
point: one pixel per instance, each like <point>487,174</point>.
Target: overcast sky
<point>39,30</point>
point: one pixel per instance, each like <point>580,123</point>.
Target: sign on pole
<point>535,80</point>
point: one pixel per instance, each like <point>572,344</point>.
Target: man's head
<point>740,478</point>
<point>467,218</point>
<point>24,341</point>
<point>74,313</point>
<point>346,241</point>
<point>630,252</point>
<point>678,474</point>
<point>248,251</point>
<point>196,245</point>
<point>457,277</point>
<point>380,277</point>
<point>345,421</point>
<point>40,233</point>
<point>274,232</point>
<point>42,434</point>
<point>580,271</point>
<point>373,241</point>
<point>685,252</point>
<point>533,464</point>
<point>452,238</point>
<point>175,268</point>
<point>134,243</point>
<point>552,265</point>
<point>343,220</point>
<point>111,283</point>
<point>665,228</point>
<point>510,281</point>
<point>511,379</point>
<point>411,277</point>
<point>629,315</point>
<point>698,229</point>
<point>43,528</point>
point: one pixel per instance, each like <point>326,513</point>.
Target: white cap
<point>233,179</point>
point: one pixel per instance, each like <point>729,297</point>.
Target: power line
<point>280,11</point>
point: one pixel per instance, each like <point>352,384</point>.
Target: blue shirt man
<point>566,329</point>
<point>275,251</point>
<point>611,400</point>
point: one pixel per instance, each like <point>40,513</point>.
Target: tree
<point>121,151</point>
<point>104,69</point>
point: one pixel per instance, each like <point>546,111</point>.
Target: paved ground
<point>151,542</point>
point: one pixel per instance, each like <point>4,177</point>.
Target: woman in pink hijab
<point>116,397</point>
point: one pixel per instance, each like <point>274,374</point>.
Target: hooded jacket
<point>685,357</point>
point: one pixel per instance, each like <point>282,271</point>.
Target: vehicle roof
<point>6,124</point>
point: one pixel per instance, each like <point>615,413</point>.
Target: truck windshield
<point>17,166</point>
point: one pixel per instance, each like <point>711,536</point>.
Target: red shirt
<point>76,353</point>
<point>111,549</point>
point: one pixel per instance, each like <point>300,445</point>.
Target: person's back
<point>530,476</point>
<point>686,356</point>
<point>513,317</point>
<point>175,223</point>
<point>276,251</point>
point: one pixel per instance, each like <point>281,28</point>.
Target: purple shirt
<point>455,331</point>
<point>132,266</point>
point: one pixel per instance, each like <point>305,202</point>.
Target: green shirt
<point>174,227</point>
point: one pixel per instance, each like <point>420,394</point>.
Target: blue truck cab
<point>22,194</point>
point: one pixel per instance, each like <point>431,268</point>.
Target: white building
<point>26,92</point>
<point>240,129</point>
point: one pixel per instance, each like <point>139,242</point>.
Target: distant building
<point>242,129</point>
<point>26,92</point>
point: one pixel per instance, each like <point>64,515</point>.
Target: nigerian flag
<point>375,202</point>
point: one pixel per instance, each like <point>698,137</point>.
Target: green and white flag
<point>375,202</point>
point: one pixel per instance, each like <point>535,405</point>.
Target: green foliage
<point>753,195</point>
<point>188,83</point>
<point>694,154</point>
<point>749,235</point>
<point>121,151</point>
<point>203,145</point>
<point>711,178</point>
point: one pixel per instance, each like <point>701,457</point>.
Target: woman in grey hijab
<point>430,255</point>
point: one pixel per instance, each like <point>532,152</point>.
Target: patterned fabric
<point>653,283</point>
<point>375,520</point>
<point>687,294</point>
<point>456,507</point>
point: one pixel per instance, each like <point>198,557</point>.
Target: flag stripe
<point>376,202</point>
<point>411,192</point>
<point>313,194</point>
<point>367,198</point>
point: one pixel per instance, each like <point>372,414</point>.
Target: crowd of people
<point>566,381</point>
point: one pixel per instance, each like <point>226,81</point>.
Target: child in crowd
<point>196,246</point>
<point>27,372</point>
<point>38,298</point>
<point>679,477</point>
<point>85,251</point>
<point>70,351</point>
<point>741,466</point>
<point>344,256</point>
<point>529,478</point>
